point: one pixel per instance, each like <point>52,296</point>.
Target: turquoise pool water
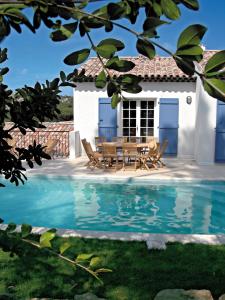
<point>133,206</point>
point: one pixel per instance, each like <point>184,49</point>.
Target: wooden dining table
<point>119,145</point>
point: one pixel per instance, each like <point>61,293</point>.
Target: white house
<point>171,105</point>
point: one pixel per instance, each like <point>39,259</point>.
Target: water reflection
<point>191,207</point>
<point>164,208</point>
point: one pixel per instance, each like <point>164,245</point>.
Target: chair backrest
<point>119,139</point>
<point>152,144</point>
<point>134,139</point>
<point>163,148</point>
<point>149,139</point>
<point>11,142</point>
<point>100,139</point>
<point>87,148</point>
<point>129,148</point>
<point>108,149</point>
<point>50,145</point>
<point>84,142</point>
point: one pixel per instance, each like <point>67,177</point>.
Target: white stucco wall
<point>206,108</point>
<point>86,110</point>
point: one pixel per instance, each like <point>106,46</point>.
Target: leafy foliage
<point>27,108</point>
<point>64,18</point>
<point>22,243</point>
<point>30,106</point>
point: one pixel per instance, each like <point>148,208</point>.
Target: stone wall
<point>53,130</point>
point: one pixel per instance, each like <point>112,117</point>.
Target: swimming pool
<point>191,207</point>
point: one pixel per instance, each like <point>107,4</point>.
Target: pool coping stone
<point>153,240</point>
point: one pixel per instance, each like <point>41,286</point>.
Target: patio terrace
<point>175,169</point>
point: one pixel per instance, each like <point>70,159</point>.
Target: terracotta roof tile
<point>158,69</point>
<point>50,126</point>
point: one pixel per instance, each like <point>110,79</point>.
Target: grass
<point>138,274</point>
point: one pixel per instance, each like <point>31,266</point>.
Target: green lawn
<point>138,274</point>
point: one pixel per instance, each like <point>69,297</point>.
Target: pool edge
<point>153,240</point>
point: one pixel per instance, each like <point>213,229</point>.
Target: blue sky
<point>34,57</point>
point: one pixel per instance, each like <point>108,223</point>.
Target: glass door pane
<point>129,118</point>
<point>146,119</point>
<point>138,118</point>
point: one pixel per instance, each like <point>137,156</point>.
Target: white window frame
<point>138,112</point>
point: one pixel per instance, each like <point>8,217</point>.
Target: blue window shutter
<point>220,133</point>
<point>168,124</point>
<point>107,119</point>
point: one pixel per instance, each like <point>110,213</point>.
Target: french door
<point>138,118</point>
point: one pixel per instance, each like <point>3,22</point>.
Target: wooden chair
<point>50,147</point>
<point>149,139</point>
<point>99,140</point>
<point>12,144</point>
<point>93,156</point>
<point>110,155</point>
<point>131,153</point>
<point>119,139</point>
<point>149,156</point>
<point>160,151</point>
<point>134,139</point>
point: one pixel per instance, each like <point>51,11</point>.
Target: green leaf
<point>151,24</point>
<point>26,230</point>
<point>115,11</point>
<point>170,9</point>
<point>129,79</point>
<point>83,4</point>
<point>146,48</point>
<point>71,84</point>
<point>101,79</point>
<point>192,35</point>
<point>116,43</point>
<point>133,89</point>
<point>77,57</point>
<point>157,8</point>
<point>106,51</point>
<point>120,65</point>
<point>21,17</point>
<point>64,33</point>
<point>111,88</point>
<point>4,71</point>
<point>11,227</point>
<point>54,83</point>
<point>84,256</point>
<point>116,98</point>
<point>192,51</point>
<point>219,74</point>
<point>62,76</point>
<point>95,262</point>
<point>191,4</point>
<point>45,239</point>
<point>3,55</point>
<point>103,270</point>
<point>215,88</point>
<point>182,64</point>
<point>92,22</point>
<point>216,62</point>
<point>64,247</point>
